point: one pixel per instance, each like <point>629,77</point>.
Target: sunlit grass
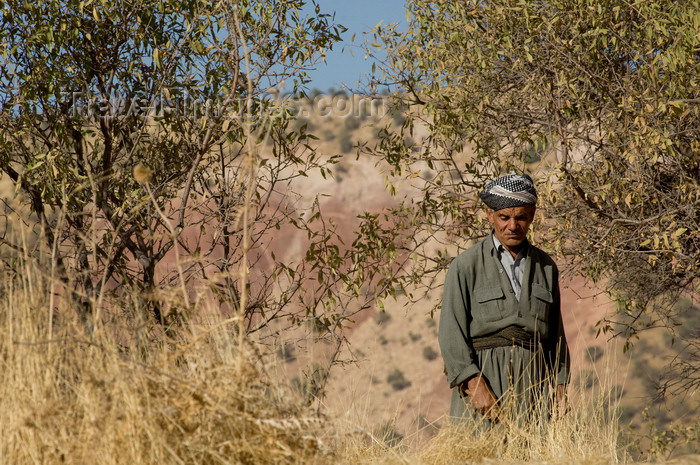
<point>106,396</point>
<point>588,433</point>
<point>72,396</point>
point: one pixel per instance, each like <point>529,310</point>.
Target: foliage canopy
<point>598,99</point>
<point>149,158</point>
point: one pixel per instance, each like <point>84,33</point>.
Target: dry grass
<point>587,434</point>
<point>69,396</point>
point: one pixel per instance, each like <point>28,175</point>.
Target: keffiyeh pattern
<point>512,190</point>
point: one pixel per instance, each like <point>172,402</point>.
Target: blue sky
<point>346,63</point>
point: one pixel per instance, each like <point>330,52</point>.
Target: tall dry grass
<point>69,396</point>
<point>588,433</point>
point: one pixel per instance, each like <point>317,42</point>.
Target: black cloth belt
<point>508,336</point>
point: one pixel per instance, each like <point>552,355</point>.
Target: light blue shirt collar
<point>513,267</point>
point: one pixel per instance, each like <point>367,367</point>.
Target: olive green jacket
<point>478,300</point>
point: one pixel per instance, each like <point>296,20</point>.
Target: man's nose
<point>512,225</point>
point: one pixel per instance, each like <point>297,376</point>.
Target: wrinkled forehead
<point>515,212</point>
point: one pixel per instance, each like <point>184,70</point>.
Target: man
<point>501,333</point>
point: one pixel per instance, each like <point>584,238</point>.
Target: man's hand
<point>482,397</point>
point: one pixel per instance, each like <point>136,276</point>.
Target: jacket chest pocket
<point>541,301</point>
<point>489,303</point>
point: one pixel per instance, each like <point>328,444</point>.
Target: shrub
<point>352,123</point>
<point>397,380</point>
<point>344,142</point>
<point>389,435</point>
<point>429,353</point>
<point>286,352</point>
<point>382,317</point>
<point>594,353</point>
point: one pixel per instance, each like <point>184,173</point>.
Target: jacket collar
<point>492,247</point>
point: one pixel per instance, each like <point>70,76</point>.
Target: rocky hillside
<point>397,380</point>
<point>396,384</point>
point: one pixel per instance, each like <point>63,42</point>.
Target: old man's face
<point>510,225</point>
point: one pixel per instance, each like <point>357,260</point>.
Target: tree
<point>147,152</point>
<point>598,99</point>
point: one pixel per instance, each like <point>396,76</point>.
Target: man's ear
<point>532,212</point>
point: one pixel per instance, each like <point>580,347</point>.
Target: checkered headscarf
<point>512,190</point>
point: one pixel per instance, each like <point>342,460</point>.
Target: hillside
<point>395,385</point>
